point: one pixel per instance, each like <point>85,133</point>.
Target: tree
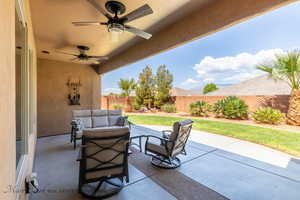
<point>145,88</point>
<point>286,67</point>
<point>127,86</point>
<point>210,87</point>
<point>163,82</point>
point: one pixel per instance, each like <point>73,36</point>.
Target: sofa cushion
<point>85,122</point>
<point>114,120</point>
<point>82,113</point>
<point>99,118</point>
<point>100,121</point>
<point>84,116</point>
<point>114,117</point>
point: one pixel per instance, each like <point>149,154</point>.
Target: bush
<point>200,108</point>
<point>268,115</point>
<point>231,108</point>
<point>136,106</point>
<point>169,108</point>
<point>117,106</point>
<point>218,107</point>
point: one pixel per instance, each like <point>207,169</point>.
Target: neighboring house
<point>261,85</point>
<point>182,92</point>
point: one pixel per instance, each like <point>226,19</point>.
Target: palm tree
<point>286,67</point>
<point>127,86</point>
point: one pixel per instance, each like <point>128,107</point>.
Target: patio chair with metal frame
<point>166,149</point>
<point>103,162</point>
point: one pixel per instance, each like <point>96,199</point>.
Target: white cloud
<point>111,90</point>
<point>190,83</point>
<point>233,69</point>
<point>209,80</point>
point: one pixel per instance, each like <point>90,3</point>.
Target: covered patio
<point>215,168</point>
<point>43,55</point>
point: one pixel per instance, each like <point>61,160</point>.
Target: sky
<point>226,57</point>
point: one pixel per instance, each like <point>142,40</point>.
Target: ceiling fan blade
<point>99,57</point>
<point>138,32</point>
<point>99,8</point>
<point>86,23</point>
<point>138,13</point>
<point>66,53</point>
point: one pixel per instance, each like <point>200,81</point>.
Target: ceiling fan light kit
<point>115,25</point>
<point>82,56</point>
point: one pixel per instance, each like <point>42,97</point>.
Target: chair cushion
<point>156,148</point>
<point>104,173</point>
<point>176,128</point>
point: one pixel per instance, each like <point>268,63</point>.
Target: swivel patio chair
<point>103,162</point>
<point>165,150</point>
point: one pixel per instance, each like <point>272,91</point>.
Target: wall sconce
<point>74,95</point>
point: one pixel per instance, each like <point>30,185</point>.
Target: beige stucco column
<point>96,92</point>
<point>7,99</point>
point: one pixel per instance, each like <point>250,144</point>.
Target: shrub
<point>200,108</point>
<point>117,106</point>
<point>169,108</point>
<point>218,107</point>
<point>136,106</point>
<point>268,115</point>
<point>231,108</point>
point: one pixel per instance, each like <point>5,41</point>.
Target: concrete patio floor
<point>235,169</point>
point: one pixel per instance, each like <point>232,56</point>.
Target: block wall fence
<point>182,103</point>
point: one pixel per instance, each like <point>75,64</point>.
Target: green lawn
<point>278,139</point>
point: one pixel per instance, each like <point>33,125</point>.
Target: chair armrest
<point>127,122</point>
<point>76,122</point>
<point>156,137</point>
<point>79,156</point>
<point>166,133</point>
<point>163,141</point>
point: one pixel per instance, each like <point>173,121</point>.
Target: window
<point>22,88</point>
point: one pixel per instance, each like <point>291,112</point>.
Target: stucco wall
<point>54,112</point>
<point>7,99</point>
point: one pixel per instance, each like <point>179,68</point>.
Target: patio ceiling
<point>171,24</point>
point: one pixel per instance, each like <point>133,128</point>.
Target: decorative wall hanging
<point>74,93</point>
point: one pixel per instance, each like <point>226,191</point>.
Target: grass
<point>282,140</point>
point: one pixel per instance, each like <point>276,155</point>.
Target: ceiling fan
<point>82,56</point>
<point>116,24</point>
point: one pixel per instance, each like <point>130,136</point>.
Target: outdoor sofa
<point>95,120</point>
